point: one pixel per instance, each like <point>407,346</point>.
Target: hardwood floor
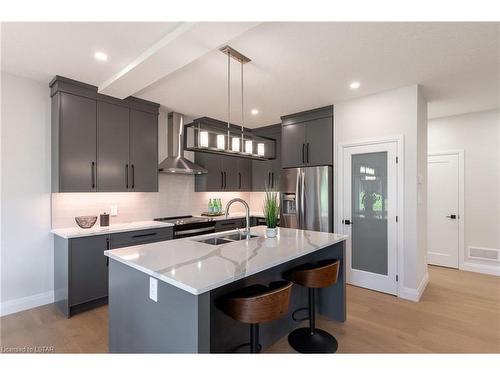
<point>459,312</point>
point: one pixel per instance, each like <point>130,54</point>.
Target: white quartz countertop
<point>113,228</point>
<point>199,267</point>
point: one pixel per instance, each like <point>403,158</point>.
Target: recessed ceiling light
<point>354,85</point>
<point>101,56</point>
<point>254,111</point>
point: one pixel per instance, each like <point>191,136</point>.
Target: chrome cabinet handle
<point>452,216</point>
<point>133,176</point>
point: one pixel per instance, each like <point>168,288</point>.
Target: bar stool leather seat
<point>257,304</point>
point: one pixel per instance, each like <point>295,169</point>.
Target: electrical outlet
<point>153,289</point>
<point>113,211</point>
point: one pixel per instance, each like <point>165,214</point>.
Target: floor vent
<point>484,253</point>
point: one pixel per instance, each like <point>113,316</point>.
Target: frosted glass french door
<point>369,215</point>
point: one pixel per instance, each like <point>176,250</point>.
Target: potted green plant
<point>271,212</point>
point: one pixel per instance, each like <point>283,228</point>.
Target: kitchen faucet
<point>247,213</point>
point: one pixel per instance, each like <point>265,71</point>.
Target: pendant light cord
<point>228,98</point>
<point>242,107</point>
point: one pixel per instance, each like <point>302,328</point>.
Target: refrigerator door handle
<point>303,199</point>
<point>298,199</point>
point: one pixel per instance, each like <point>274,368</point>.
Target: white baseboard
<point>15,305</point>
<point>415,294</point>
<point>481,268</point>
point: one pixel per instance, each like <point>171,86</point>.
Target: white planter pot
<point>271,232</point>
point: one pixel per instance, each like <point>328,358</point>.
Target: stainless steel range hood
<point>175,161</point>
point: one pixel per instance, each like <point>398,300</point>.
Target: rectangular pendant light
<point>221,142</point>
<point>260,149</point>
<point>248,147</point>
<point>204,139</point>
<point>236,145</point>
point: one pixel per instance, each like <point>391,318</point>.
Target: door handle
<point>347,222</point>
<point>92,172</point>
<point>225,180</point>
<point>133,176</point>
<point>268,179</point>
<point>307,153</point>
<point>272,179</point>
<point>303,147</point>
<point>126,176</point>
<point>239,180</point>
<point>452,216</point>
<point>222,180</point>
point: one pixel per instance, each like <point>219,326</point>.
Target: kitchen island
<point>163,296</point>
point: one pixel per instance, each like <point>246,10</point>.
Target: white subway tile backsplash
<point>176,196</point>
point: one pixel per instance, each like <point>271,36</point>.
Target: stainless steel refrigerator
<point>307,198</point>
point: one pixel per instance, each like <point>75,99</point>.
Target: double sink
<point>226,238</point>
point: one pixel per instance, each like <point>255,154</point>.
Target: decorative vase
<point>271,232</point>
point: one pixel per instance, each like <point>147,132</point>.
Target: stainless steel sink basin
<point>215,241</point>
<point>225,239</point>
<point>237,237</point>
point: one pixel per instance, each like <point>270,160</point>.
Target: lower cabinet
<point>223,225</point>
<point>81,268</point>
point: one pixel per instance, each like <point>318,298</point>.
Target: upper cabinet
<point>225,173</point>
<point>267,173</point>
<point>308,137</point>
<point>100,143</point>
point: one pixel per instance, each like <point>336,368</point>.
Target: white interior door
<point>442,210</point>
<point>369,215</point>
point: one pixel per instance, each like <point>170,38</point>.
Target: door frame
<point>461,200</point>
<point>399,139</point>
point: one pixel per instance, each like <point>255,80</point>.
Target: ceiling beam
<point>184,44</point>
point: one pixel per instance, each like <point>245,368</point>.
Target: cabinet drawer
<point>139,237</point>
<point>223,225</point>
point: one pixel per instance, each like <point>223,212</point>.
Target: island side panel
<point>176,323</point>
<point>331,301</point>
<point>227,333</point>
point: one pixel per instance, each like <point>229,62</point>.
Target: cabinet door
<point>214,179</point>
<point>261,175</point>
<point>230,169</point>
<point>293,138</point>
<point>244,174</point>
<point>77,143</point>
<point>88,269</point>
<point>112,147</point>
<point>319,142</point>
<point>143,151</point>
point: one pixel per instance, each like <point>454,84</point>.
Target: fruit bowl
<point>86,222</point>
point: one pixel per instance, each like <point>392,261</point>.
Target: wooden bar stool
<point>257,304</point>
<point>321,275</point>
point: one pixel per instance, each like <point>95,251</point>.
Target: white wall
<point>26,243</point>
<point>479,135</point>
<point>394,113</point>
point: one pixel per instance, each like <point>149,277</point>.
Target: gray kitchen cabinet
<point>100,143</point>
<point>308,137</point>
<point>88,269</point>
<point>244,175</point>
<point>74,137</point>
<point>112,147</point>
<point>214,179</point>
<point>267,172</point>
<point>294,140</point>
<point>319,142</point>
<point>143,151</point>
<point>230,224</point>
<point>225,173</point>
<point>140,237</point>
<point>81,268</point>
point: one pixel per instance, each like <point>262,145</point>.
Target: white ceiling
<point>295,66</point>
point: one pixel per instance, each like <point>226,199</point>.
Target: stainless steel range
<point>187,226</point>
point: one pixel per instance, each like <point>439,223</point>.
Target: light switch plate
<point>113,210</point>
<point>153,289</point>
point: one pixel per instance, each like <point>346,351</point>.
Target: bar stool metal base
<point>320,341</point>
